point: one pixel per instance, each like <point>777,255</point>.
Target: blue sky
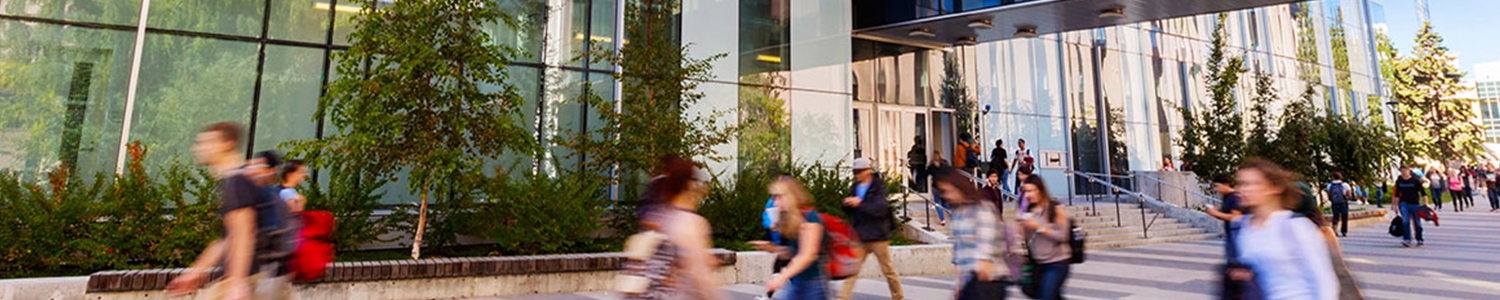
<point>1470,28</point>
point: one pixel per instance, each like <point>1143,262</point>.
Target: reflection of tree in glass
<point>62,92</point>
<point>1338,38</point>
<point>1213,139</point>
<point>765,132</point>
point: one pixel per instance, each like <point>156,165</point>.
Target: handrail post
<point>1118,222</point>
<point>1145,229</point>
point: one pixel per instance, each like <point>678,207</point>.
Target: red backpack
<point>843,247</point>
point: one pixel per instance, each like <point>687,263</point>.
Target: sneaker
<point>1421,243</point>
<point>1406,244</point>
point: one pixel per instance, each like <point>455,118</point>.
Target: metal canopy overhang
<point>1045,16</point>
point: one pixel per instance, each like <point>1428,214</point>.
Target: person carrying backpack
<point>1338,198</point>
<point>869,210</point>
<point>967,158</point>
<point>980,247</point>
<point>803,241</point>
<point>998,164</point>
<point>248,214</point>
<point>1048,233</point>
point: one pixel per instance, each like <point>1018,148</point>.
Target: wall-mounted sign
<point>1053,159</point>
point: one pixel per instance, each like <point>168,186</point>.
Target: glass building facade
<point>79,78</point>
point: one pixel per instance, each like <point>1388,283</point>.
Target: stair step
<point>1104,238</point>
<point>1136,229</point>
<point>1152,240</point>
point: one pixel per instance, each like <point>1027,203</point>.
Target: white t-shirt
<point>1289,257</point>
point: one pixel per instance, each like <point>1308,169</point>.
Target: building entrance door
<point>888,135</point>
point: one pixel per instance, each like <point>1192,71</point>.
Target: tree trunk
<point>416,242</point>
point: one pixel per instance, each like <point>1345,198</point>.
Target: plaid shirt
<point>978,234</point>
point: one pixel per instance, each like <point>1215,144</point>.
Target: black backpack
<point>1336,193</point>
<point>1077,238</point>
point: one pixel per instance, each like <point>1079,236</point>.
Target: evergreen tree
<point>1434,124</point>
<point>1299,144</point>
<point>1258,142</point>
<point>954,94</point>
<point>1213,140</point>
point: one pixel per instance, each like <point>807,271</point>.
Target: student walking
<point>979,240</point>
<point>1229,212</point>
<point>247,213</point>
<point>868,208</point>
<point>998,164</point>
<point>802,241</point>
<point>916,161</point>
<point>1409,194</point>
<point>1047,227</point>
<point>679,265</point>
<point>1492,188</point>
<point>1022,161</point>
<point>1287,254</point>
<point>938,163</point>
<point>1437,183</point>
<point>1338,199</point>
<point>1455,187</point>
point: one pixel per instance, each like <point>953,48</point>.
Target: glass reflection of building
<point>68,93</point>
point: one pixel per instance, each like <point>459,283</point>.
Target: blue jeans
<point>1410,221</point>
<point>804,289</point>
<point>942,205</point>
<point>1437,198</point>
<point>1005,174</point>
<point>1053,277</point>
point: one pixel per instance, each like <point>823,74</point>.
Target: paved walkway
<point>1461,261</point>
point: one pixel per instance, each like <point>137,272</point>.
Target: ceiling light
<point>1112,13</point>
<point>981,24</point>
<point>965,41</point>
<point>1025,32</point>
<point>768,58</point>
<point>921,32</point>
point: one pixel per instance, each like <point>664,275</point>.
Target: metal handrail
<point>928,203</point>
<point>1185,191</point>
<point>1116,190</point>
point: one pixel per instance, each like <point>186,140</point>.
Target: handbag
<point>1396,228</point>
<point>976,289</point>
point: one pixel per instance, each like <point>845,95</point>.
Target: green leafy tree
<point>1259,140</point>
<point>1213,139</point>
<point>425,91</point>
<point>954,94</point>
<point>1358,148</point>
<point>1300,139</point>
<point>1434,123</point>
<point>659,83</point>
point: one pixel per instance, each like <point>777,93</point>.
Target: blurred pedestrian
<point>1410,197</point>
<point>245,211</point>
<point>1492,188</point>
<point>1289,258</point>
<point>1047,227</point>
<point>680,267</point>
<point>1229,210</point>
<point>979,240</point>
<point>966,156</point>
<point>293,173</point>
<point>802,241</point>
<point>1339,194</point>
<point>992,192</point>
<point>869,209</point>
<point>938,163</point>
<point>916,160</point>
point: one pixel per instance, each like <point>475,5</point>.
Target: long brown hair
<point>1282,181</point>
<point>952,177</point>
<point>795,197</point>
<point>1041,188</point>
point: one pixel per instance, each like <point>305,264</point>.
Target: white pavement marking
<point>1360,260</point>
<point>1492,286</point>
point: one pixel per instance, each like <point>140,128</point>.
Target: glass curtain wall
<point>66,67</point>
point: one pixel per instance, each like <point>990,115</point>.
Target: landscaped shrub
<point>72,226</point>
<point>540,213</point>
<point>734,209</point>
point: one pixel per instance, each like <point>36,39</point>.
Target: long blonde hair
<point>792,197</point>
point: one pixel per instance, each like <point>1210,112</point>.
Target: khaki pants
<point>882,251</point>
<point>262,288</point>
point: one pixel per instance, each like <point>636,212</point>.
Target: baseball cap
<point>861,164</point>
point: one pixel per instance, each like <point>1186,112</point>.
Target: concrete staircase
<point>1107,225</point>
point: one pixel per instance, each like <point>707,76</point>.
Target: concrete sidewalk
<point>1461,261</point>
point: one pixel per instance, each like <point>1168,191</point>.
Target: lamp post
<point>984,137</point>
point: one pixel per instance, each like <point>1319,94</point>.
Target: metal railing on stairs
<point>1186,192</point>
<point>929,205</point>
<point>1099,183</point>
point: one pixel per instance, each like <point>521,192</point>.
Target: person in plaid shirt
<point>979,237</point>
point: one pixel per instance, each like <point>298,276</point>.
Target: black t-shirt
<point>1231,203</point>
<point>1410,190</point>
<point>272,236</point>
<point>237,191</point>
<point>997,159</point>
